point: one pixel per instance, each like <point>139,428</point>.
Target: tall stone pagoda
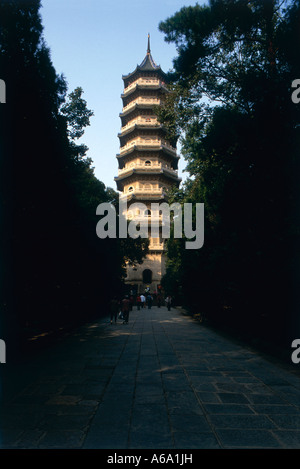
<point>148,162</point>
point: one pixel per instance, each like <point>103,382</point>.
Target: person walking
<point>114,309</point>
<point>138,302</point>
<point>143,301</point>
<point>125,309</point>
<point>149,301</point>
<point>169,302</point>
<point>158,300</point>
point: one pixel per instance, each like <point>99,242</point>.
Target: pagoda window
<point>130,189</point>
<point>147,213</point>
<point>148,163</point>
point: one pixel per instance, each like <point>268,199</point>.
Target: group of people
<point>142,301</point>
<point>123,307</point>
<point>120,308</point>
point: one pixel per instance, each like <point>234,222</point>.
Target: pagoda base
<point>148,275</point>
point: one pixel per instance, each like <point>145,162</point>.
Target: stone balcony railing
<point>151,142</point>
<point>152,121</point>
<point>156,247</point>
<point>141,100</point>
<point>144,193</point>
<point>145,82</point>
<point>154,218</point>
<point>148,169</point>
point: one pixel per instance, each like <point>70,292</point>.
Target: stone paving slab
<point>163,381</point>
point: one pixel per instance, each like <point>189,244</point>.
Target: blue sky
<point>93,43</point>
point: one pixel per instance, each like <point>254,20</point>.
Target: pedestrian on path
<point>138,302</point>
<point>125,309</point>
<point>149,301</point>
<point>169,302</point>
<point>158,300</point>
<point>143,301</point>
<point>114,309</point>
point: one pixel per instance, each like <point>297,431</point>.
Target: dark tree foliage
<point>54,270</point>
<point>242,148</point>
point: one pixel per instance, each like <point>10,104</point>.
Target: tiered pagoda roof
<point>142,136</point>
<point>147,65</point>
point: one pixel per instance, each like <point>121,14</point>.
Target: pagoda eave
<point>140,127</point>
<point>120,182</point>
<point>146,197</point>
<point>141,148</point>
<point>140,70</point>
<point>136,106</point>
<point>158,172</point>
<point>140,87</point>
<point>124,157</point>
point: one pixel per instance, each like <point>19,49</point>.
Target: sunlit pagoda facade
<point>148,162</point>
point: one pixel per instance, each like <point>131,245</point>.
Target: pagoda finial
<point>148,49</point>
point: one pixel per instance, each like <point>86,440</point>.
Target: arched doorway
<point>147,276</point>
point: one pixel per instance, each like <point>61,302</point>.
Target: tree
<point>77,117</point>
<point>33,161</point>
<point>231,103</point>
<point>77,114</point>
<point>55,270</point>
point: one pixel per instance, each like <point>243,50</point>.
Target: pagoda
<point>148,162</point>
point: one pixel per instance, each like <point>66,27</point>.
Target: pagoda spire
<point>148,48</point>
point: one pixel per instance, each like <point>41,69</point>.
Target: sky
<point>93,43</point>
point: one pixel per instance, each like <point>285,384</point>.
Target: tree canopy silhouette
<point>231,104</point>
<point>54,269</point>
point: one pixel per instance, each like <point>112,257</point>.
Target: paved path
<point>162,381</point>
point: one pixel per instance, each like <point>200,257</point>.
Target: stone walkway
<point>163,381</point>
